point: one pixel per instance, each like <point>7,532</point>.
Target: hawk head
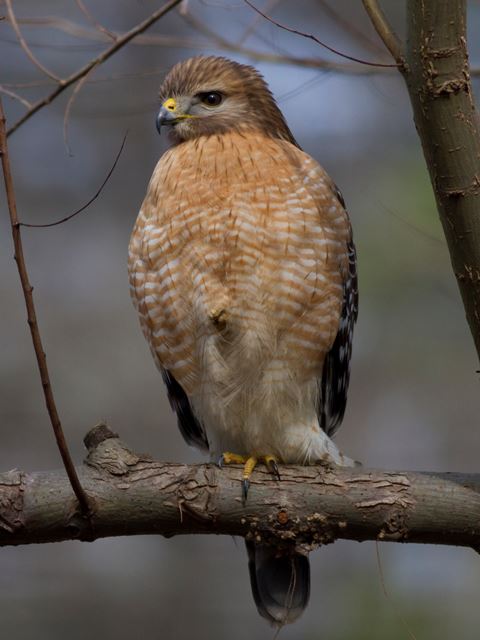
<point>212,95</point>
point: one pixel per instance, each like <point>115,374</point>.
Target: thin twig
<point>64,25</point>
<point>310,36</point>
<point>411,225</point>
<point>385,31</point>
<point>121,42</point>
<point>387,596</point>
<point>68,108</point>
<point>86,12</point>
<point>15,96</point>
<point>304,86</point>
<point>310,63</point>
<point>183,8</point>
<point>87,204</point>
<point>24,45</point>
<point>224,43</point>
<point>87,33</point>
<point>250,29</point>
<point>351,29</point>
<point>111,78</point>
<point>79,31</point>
<point>32,323</point>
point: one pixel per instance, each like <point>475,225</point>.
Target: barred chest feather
<point>237,266</point>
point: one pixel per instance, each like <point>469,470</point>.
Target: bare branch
<point>86,12</point>
<point>32,323</point>
<point>120,42</point>
<point>216,42</point>
<point>24,45</point>
<point>83,32</point>
<point>87,204</point>
<point>310,63</point>
<point>110,78</point>
<point>385,31</point>
<point>397,613</point>
<point>250,29</point>
<point>350,28</point>
<point>76,90</point>
<point>308,507</point>
<point>310,36</point>
<point>15,96</point>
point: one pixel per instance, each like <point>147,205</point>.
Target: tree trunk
<point>438,79</point>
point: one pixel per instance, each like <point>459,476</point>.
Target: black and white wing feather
<point>190,427</point>
<point>336,368</point>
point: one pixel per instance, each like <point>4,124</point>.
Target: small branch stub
<point>98,434</point>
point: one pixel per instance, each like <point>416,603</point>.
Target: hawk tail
<point>280,583</point>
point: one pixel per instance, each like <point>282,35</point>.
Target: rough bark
<point>133,494</point>
<point>438,79</point>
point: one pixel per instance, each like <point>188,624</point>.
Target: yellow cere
<point>170,104</point>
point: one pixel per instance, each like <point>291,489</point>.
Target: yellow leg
<point>232,458</point>
<point>250,465</point>
<point>249,462</point>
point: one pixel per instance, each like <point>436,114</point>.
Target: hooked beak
<point>165,116</point>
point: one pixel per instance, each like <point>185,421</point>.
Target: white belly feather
<point>251,404</point>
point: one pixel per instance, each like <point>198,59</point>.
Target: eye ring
<point>211,98</point>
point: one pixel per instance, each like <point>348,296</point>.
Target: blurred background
<point>414,398</point>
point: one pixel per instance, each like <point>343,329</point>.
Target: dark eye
<point>211,98</point>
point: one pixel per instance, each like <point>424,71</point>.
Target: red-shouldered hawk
<point>243,272</point>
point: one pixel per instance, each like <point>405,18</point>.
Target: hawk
<point>243,272</point>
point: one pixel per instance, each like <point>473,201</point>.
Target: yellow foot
<point>249,464</point>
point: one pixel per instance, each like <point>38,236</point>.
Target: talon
<point>245,488</point>
<point>272,466</point>
<point>250,465</point>
<point>249,462</point>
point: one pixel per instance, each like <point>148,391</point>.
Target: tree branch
<point>86,12</point>
<point>310,36</point>
<point>385,31</point>
<point>15,96</point>
<point>120,42</point>
<point>23,43</point>
<point>438,80</point>
<point>214,41</point>
<point>276,58</point>
<point>437,74</point>
<point>349,27</point>
<point>47,225</point>
<point>133,494</point>
<point>33,324</point>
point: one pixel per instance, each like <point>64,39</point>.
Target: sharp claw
<point>274,469</point>
<point>249,462</point>
<point>245,488</point>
